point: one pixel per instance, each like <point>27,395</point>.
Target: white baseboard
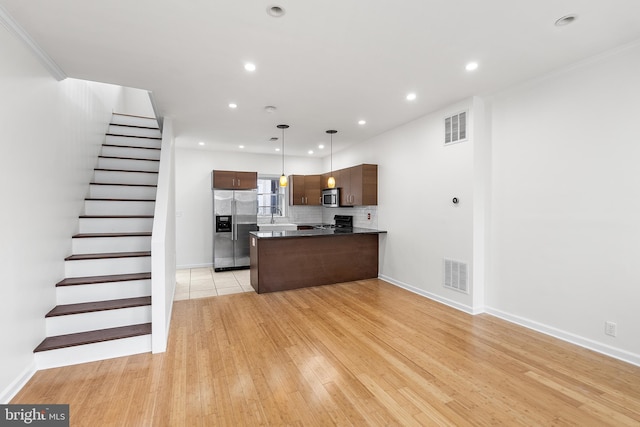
<point>432,296</point>
<point>186,266</point>
<point>17,384</point>
<point>598,347</point>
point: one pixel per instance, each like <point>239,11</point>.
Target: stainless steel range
<point>341,222</point>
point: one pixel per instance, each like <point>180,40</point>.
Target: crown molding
<point>41,55</point>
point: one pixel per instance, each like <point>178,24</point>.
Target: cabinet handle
<point>238,182</point>
<point>234,182</point>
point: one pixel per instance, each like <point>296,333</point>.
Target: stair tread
<point>123,185</point>
<point>136,136</point>
<point>133,115</point>
<point>123,170</point>
<point>135,126</point>
<point>90,337</point>
<point>131,146</point>
<point>89,307</point>
<point>120,200</point>
<point>87,235</point>
<point>106,255</point>
<point>128,158</point>
<point>116,216</point>
<point>89,280</point>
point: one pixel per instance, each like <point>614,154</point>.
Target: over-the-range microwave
<point>331,197</point>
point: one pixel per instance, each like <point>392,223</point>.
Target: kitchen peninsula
<point>284,260</point>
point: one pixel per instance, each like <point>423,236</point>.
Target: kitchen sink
<point>277,227</point>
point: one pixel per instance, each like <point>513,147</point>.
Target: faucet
<point>272,211</point>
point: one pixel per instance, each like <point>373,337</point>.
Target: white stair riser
<point>107,266</point>
<point>129,165</point>
<point>133,120</point>
<point>121,192</point>
<point>70,324</point>
<point>134,131</point>
<point>102,291</point>
<point>95,245</point>
<point>92,352</point>
<point>117,207</point>
<point>136,153</point>
<point>115,225</point>
<point>116,177</point>
<point>133,142</point>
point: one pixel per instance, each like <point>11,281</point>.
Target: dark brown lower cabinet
<point>279,264</point>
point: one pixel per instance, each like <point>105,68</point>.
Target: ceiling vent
<point>455,128</point>
<point>456,276</point>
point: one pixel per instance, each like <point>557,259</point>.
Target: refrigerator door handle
<point>234,226</point>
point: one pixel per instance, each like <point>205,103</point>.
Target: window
<point>271,197</point>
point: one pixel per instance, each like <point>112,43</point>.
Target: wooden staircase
<point>104,303</point>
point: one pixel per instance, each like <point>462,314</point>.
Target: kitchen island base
<point>280,264</point>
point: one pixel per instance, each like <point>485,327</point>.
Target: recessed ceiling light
<point>273,138</point>
<point>249,66</point>
<point>471,66</point>
<point>321,146</point>
<point>566,20</point>
<point>275,11</point>
<point>232,105</point>
<point>240,146</point>
<point>362,122</point>
<point>200,143</point>
<point>277,149</point>
<point>310,151</point>
<point>411,97</point>
<point>270,109</point>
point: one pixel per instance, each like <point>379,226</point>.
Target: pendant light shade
<point>283,177</point>
<point>331,182</point>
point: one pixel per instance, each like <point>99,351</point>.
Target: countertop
<point>314,232</point>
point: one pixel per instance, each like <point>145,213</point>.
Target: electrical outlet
<point>610,328</point>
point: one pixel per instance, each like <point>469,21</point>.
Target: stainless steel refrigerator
<point>235,215</point>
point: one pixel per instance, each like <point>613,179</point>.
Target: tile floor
<point>204,282</point>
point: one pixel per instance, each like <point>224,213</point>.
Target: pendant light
<point>331,182</point>
<point>283,178</point>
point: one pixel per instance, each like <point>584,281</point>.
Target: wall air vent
<point>455,128</point>
<point>456,275</point>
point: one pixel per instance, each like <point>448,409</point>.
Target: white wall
<point>135,102</point>
<point>50,135</point>
<point>194,203</point>
<point>566,204</point>
<point>417,179</point>
<point>163,243</point>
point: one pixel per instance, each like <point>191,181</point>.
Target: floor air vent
<point>456,275</point>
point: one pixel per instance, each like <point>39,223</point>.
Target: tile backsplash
<point>361,215</point>
<point>305,214</point>
<point>320,215</point>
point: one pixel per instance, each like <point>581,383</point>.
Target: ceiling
<point>323,65</point>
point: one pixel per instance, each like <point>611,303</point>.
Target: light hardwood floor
<point>360,353</point>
